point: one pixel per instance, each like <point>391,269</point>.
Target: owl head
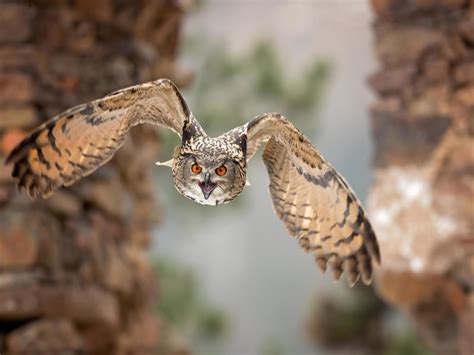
<point>210,171</point>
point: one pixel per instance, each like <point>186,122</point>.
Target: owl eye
<point>221,170</point>
<point>196,168</point>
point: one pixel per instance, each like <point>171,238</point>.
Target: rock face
<point>421,202</point>
<point>74,277</point>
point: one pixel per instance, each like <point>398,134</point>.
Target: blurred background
<point>120,263</point>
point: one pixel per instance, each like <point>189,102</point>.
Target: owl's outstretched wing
<point>78,141</point>
<point>313,200</point>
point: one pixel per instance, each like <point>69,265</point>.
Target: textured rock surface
<point>74,277</point>
<point>421,202</point>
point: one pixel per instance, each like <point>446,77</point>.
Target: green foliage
<point>181,304</point>
<point>272,347</point>
<point>229,89</point>
<point>177,299</point>
<point>407,344</point>
<point>212,323</point>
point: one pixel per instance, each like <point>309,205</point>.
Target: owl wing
<point>78,141</point>
<point>313,200</point>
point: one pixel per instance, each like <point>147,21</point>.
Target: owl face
<point>209,176</point>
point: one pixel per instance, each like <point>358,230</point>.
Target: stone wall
<point>421,202</point>
<point>73,271</point>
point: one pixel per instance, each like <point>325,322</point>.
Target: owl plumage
<point>315,203</point>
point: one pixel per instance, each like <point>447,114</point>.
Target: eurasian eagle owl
<point>309,196</point>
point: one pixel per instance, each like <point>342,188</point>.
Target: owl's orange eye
<point>196,168</point>
<point>221,170</point>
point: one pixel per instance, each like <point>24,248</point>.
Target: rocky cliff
<point>421,202</point>
<point>74,277</point>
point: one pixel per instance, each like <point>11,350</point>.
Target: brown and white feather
<point>78,141</point>
<point>313,200</point>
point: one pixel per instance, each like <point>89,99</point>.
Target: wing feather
<point>313,200</point>
<point>78,141</point>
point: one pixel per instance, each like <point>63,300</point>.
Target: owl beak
<point>207,186</point>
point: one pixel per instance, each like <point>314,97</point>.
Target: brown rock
<point>170,342</point>
<point>83,305</point>
<point>454,183</point>
<point>84,249</point>
<point>410,7</point>
<point>48,231</point>
<point>53,28</point>
<point>467,326</point>
<point>45,336</point>
<point>103,194</point>
<point>5,194</point>
<point>108,228</point>
<point>65,203</point>
<point>465,96</point>
<point>9,140</point>
<point>16,88</point>
<point>14,57</point>
<point>140,335</point>
<point>102,11</point>
<point>19,277</point>
<point>127,272</point>
<point>421,201</point>
<point>419,136</point>
<point>435,70</point>
<point>5,170</point>
<point>19,117</point>
<point>17,22</point>
<point>140,234</point>
<point>145,282</point>
<point>466,27</point>
<point>392,80</point>
<point>84,268</point>
<point>432,102</point>
<point>433,300</point>
<point>18,245</point>
<point>28,244</point>
<point>399,46</point>
<point>99,340</point>
<point>406,289</point>
<point>464,72</point>
<point>83,40</point>
<point>118,274</point>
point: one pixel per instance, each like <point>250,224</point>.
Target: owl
<point>314,202</point>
